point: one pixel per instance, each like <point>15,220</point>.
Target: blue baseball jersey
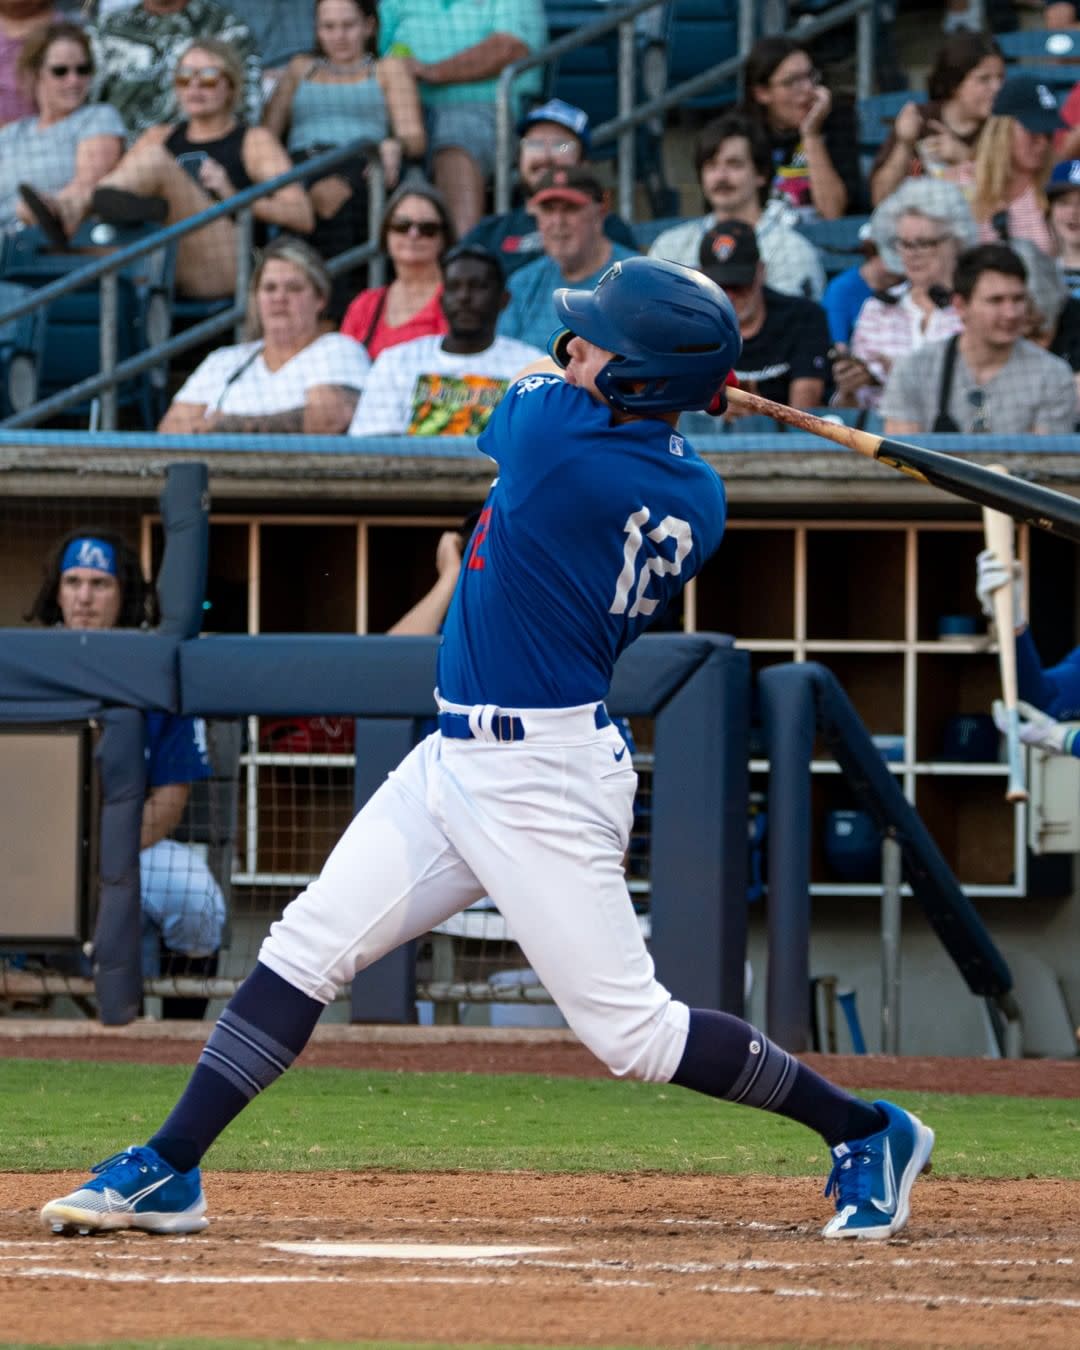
<point>175,749</point>
<point>589,531</point>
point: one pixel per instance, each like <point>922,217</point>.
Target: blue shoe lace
<point>131,1159</point>
<point>851,1175</point>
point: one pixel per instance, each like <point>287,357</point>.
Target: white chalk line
<point>727,1290</point>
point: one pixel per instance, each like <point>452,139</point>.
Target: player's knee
<point>648,1050</point>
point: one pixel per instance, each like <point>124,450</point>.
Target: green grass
<point>61,1114</point>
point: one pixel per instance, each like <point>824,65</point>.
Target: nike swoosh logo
<point>619,753</point>
<point>888,1202</point>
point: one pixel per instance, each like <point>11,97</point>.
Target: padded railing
<point>105,270</point>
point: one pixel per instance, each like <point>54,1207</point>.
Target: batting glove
<point>990,575</point>
<point>1039,729</point>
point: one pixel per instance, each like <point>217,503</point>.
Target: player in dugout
<point>600,514</point>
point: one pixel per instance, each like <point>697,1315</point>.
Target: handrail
<point>568,43</point>
<point>106,267</point>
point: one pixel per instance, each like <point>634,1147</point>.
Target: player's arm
<point>162,811</point>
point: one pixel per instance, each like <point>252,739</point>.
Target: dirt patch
<point>626,1260</point>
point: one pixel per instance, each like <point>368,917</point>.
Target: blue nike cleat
<point>872,1178</point>
<point>133,1189</point>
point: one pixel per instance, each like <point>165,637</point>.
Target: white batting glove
<point>1038,728</point>
<point>990,575</point>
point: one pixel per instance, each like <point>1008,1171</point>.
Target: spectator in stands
<point>93,580</point>
<point>340,93</point>
<point>785,337</point>
<point>18,18</point>
<point>456,53</point>
<point>812,140</point>
<point>570,207</point>
<point>137,53</point>
<point>1053,315</point>
<point>988,378</point>
<point>62,152</point>
<point>849,290</point>
<point>1061,14</point>
<point>416,231</point>
<point>448,386</point>
<point>1012,164</point>
<point>927,138</point>
<point>291,376</point>
<point>921,230</point>
<point>1063,212</point>
<point>556,134</point>
<point>734,168</point>
<point>174,171</point>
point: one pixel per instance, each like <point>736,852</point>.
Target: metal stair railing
<point>106,268</point>
<point>621,128</point>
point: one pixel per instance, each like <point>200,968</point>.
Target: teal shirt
<point>432,30</point>
<point>530,316</point>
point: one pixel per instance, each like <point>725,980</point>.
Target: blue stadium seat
<point>1033,52</point>
<point>876,114</point>
<point>22,346</point>
<point>702,33</point>
<point>865,419</point>
<point>645,232</point>
<point>837,241</point>
<point>72,323</point>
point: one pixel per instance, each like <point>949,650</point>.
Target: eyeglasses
<point>426,229</point>
<point>918,245</point>
<point>84,68</point>
<point>811,76</point>
<point>981,421</point>
<point>540,144</point>
<point>205,77</point>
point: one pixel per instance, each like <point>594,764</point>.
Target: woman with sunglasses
<point>416,231</point>
<point>58,155</point>
<point>174,171</point>
<point>814,153</point>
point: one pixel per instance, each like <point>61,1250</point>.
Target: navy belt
<point>504,726</point>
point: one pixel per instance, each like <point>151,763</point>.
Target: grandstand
<point>828,560</point>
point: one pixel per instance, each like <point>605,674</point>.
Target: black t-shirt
<point>1066,340</point>
<point>792,344</point>
<point>791,179</point>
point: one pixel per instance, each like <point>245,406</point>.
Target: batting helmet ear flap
<point>557,345</point>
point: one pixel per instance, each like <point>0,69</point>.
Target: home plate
<point>403,1251</point>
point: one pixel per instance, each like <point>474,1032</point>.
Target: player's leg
<point>558,880</point>
<point>391,877</point>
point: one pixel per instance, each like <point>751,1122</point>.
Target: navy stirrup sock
<point>266,1025</point>
<point>727,1057</point>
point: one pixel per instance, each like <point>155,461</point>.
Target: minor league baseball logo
<point>723,246</point>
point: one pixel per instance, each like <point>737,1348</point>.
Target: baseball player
<point>601,512</point>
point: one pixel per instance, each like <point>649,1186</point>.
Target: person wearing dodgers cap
<point>1063,214</point>
<point>553,135</point>
<point>1012,164</point>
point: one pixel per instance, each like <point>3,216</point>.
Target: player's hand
<point>990,575</point>
<point>820,108</point>
<point>1038,728</point>
<point>448,552</point>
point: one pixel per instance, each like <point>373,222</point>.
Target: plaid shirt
<point>136,53</point>
<point>1032,392</point>
<point>883,333</point>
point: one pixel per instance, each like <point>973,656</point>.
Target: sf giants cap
<point>569,185</point>
<point>729,253</point>
<point>1031,102</point>
<point>575,120</point>
<point>1065,178</point>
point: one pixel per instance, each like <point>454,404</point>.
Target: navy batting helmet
<point>673,331</point>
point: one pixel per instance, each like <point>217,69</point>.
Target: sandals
<point>118,206</point>
<point>48,221</point>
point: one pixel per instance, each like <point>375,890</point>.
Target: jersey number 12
<point>671,527</point>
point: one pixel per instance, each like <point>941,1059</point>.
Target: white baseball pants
<point>541,826</point>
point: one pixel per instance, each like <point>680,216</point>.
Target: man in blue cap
<point>554,135</point>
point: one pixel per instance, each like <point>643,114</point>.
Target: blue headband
<point>90,552</point>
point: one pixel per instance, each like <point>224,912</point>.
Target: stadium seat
<point>702,33</point>
<point>1038,51</point>
<point>22,346</point>
<point>646,232</point>
<point>837,241</point>
<point>876,114</point>
<point>863,419</point>
<point>72,323</point>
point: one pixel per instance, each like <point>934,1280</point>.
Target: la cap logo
<point>1046,98</point>
<point>723,246</point>
<point>93,555</point>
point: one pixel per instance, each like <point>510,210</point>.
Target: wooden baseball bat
<point>1034,505</point>
<point>1000,536</point>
